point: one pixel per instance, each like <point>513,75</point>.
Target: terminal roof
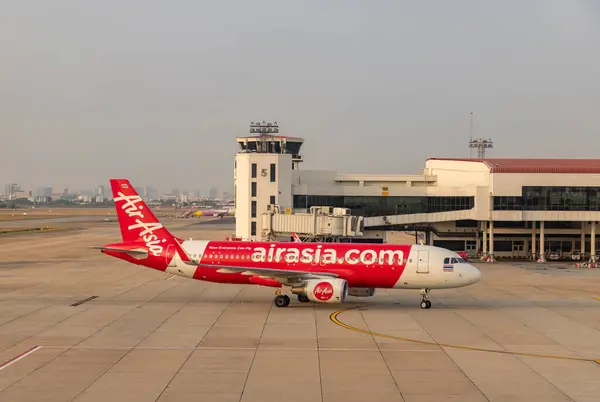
<point>526,165</point>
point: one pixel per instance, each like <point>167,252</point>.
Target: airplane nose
<point>473,274</point>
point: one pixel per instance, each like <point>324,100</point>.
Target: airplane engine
<point>323,290</point>
<point>361,292</point>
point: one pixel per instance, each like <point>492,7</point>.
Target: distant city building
<point>227,196</point>
<point>43,194</point>
<point>213,193</point>
<point>11,191</point>
<point>151,193</point>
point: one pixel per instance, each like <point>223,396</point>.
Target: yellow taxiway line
<point>334,318</point>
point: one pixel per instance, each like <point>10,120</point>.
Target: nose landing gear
<point>425,303</point>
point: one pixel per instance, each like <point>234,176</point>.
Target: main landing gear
<point>303,299</point>
<point>281,301</point>
<point>425,303</point>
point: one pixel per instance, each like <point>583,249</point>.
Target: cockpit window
<point>454,260</point>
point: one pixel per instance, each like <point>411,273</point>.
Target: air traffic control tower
<point>266,140</point>
<point>262,175</point>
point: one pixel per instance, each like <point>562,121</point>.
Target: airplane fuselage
<point>361,265</point>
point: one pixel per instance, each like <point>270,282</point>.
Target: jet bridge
<point>322,223</point>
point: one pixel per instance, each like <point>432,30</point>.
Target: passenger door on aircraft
<point>423,262</point>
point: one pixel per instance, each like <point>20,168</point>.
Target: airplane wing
<point>135,252</point>
<point>275,273</point>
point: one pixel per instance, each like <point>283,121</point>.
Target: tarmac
<point>77,325</point>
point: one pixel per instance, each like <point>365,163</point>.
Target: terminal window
<point>508,203</point>
<point>551,198</point>
<point>561,198</point>
<point>392,205</point>
<point>252,228</point>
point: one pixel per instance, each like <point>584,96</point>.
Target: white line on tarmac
<point>19,357</point>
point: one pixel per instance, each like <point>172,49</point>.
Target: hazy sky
<point>157,91</point>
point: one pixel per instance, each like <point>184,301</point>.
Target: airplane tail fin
<point>139,225</point>
<point>145,240</point>
<point>137,222</point>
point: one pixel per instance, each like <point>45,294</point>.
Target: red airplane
<point>319,272</point>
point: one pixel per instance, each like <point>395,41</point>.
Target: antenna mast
<point>470,134</point>
<point>480,144</point>
<point>266,131</point>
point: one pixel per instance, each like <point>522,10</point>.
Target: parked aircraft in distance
<point>318,272</point>
<point>195,211</point>
<point>214,212</point>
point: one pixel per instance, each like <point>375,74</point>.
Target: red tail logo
<point>138,223</point>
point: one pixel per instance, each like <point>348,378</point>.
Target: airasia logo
<point>323,291</point>
<point>146,229</point>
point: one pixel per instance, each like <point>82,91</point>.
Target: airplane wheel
<point>282,301</point>
<point>424,304</point>
<point>428,304</point>
<point>303,299</point>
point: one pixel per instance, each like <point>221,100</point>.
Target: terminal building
<point>492,207</point>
